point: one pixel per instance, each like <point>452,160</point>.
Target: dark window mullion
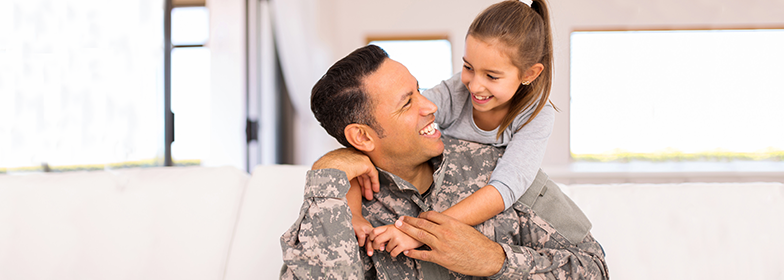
<point>168,116</point>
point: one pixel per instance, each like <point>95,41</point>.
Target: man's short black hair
<point>339,98</point>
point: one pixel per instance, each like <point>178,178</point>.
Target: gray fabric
<point>547,200</point>
<point>525,149</point>
<point>431,271</point>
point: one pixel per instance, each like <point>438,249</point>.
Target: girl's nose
<point>475,86</point>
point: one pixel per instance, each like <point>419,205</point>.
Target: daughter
<point>500,98</point>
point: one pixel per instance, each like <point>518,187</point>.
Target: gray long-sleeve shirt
<point>517,169</point>
<point>543,234</point>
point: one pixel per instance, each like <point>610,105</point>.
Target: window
<point>429,60</point>
<point>702,95</point>
<point>80,84</point>
<point>190,88</point>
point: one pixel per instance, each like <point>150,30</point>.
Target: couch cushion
<point>688,231</point>
<point>271,205</point>
<point>154,223</point>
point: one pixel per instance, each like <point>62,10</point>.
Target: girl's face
<point>489,75</point>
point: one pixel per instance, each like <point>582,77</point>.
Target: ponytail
<point>544,82</point>
<point>526,31</point>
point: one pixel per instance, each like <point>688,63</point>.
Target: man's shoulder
<point>456,150</point>
<point>454,145</point>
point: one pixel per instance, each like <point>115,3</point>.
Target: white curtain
<point>304,60</point>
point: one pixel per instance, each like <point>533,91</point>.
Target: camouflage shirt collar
<point>436,163</point>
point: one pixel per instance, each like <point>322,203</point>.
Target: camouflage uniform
<point>544,235</point>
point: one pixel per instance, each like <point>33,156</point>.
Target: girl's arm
<point>361,226</point>
<point>514,172</point>
<point>448,98</point>
<point>478,207</point>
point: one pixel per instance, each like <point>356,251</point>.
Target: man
<point>372,103</point>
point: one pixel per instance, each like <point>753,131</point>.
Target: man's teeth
<point>429,130</point>
<point>481,97</point>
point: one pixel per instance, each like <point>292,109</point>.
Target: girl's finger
<point>396,251</point>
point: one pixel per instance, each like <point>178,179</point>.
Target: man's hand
<point>389,238</point>
<point>454,245</point>
<point>355,164</point>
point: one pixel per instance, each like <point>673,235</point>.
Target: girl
<point>500,98</point>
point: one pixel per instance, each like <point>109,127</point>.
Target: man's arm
<point>354,163</point>
<point>321,243</point>
<point>460,248</point>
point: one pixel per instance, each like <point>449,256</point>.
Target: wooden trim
<point>418,37</point>
<point>188,3</point>
<point>675,28</point>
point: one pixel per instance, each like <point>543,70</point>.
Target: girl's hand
<point>362,228</point>
<point>391,239</point>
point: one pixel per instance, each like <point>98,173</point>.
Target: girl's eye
<point>467,67</point>
<point>492,77</point>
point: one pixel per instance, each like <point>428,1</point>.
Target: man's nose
<point>427,107</point>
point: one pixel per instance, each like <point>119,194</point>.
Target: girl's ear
<point>532,73</point>
<point>358,135</point>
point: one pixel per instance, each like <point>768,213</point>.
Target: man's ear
<point>359,136</point>
<point>532,73</point>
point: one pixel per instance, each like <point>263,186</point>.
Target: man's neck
<point>421,176</point>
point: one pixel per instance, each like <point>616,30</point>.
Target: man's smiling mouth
<point>429,130</point>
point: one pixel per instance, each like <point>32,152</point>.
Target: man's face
<point>404,114</point>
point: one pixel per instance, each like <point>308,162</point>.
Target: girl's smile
<point>489,75</point>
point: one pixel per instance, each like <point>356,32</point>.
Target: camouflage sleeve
<point>584,261</point>
<point>321,243</point>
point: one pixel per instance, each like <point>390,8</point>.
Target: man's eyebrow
<point>403,98</point>
<point>407,95</point>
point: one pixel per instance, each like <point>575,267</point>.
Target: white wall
<point>227,99</point>
<point>346,23</point>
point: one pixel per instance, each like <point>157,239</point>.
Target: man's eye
<point>408,102</point>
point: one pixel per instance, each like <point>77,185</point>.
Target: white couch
<point>221,223</point>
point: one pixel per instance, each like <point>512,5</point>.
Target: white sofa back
<point>689,230</point>
<point>219,223</point>
<point>155,223</point>
<point>271,205</point>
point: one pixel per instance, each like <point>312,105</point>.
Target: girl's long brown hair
<point>525,31</point>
